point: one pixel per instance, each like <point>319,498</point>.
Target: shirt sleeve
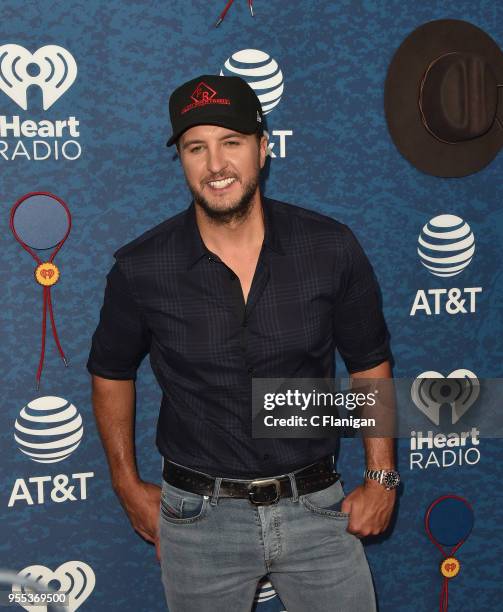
<point>121,339</point>
<point>361,334</point>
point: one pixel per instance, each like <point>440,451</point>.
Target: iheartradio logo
<point>52,68</point>
<point>75,578</point>
<point>431,390</point>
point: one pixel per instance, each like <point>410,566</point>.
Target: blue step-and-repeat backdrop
<point>84,88</point>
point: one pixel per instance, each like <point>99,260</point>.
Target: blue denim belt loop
<point>293,483</point>
<point>216,491</point>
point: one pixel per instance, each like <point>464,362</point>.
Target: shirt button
<point>251,370</point>
<point>266,457</point>
<point>210,258</point>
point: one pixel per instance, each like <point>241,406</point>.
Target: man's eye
<point>232,142</point>
<point>195,149</point>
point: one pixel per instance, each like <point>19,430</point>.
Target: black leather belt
<point>261,491</point>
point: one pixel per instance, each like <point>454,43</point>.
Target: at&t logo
<point>41,489</point>
<point>264,76</point>
<point>446,246</point>
<point>48,430</point>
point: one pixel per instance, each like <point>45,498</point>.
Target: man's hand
<point>141,503</point>
<point>370,507</point>
<point>114,410</point>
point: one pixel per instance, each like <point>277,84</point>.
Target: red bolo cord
<point>47,302</point>
<point>444,593</point>
<point>226,9</point>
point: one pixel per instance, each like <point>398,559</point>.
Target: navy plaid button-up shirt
<point>313,291</point>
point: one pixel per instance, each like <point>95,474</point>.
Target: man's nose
<point>215,160</point>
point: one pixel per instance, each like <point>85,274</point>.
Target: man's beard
<point>235,211</point>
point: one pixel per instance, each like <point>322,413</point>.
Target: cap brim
<point>401,94</point>
<point>225,121</point>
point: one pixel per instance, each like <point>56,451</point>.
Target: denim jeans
<point>214,551</point>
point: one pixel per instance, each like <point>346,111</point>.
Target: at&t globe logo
<point>446,248</point>
<point>446,245</point>
<point>48,429</point>
<point>264,76</point>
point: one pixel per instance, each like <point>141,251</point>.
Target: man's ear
<point>263,150</point>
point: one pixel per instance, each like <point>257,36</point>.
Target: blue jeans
<point>215,550</point>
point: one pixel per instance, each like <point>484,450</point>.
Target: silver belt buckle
<point>262,499</point>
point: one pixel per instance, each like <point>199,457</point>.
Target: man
<point>239,286</point>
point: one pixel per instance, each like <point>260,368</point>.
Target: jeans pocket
<point>326,502</point>
<point>179,506</point>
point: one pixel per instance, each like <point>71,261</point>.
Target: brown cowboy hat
<point>443,98</point>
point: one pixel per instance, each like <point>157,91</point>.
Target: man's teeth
<point>221,184</point>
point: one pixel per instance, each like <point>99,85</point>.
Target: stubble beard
<point>233,211</point>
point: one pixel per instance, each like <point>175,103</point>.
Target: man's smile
<point>221,184</point>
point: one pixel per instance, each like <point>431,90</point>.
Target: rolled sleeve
<point>121,339</point>
<point>361,333</point>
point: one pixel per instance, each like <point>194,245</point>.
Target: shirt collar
<point>197,249</point>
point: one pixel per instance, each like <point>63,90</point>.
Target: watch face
<point>391,479</point>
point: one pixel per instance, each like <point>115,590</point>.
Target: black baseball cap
<point>209,99</point>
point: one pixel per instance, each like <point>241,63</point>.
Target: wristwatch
<point>390,479</point>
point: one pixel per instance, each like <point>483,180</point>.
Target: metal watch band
<point>379,475</point>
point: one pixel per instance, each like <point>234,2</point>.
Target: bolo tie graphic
<point>448,522</point>
<point>227,7</point>
<point>40,221</point>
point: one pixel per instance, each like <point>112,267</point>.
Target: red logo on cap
<point>202,95</point>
